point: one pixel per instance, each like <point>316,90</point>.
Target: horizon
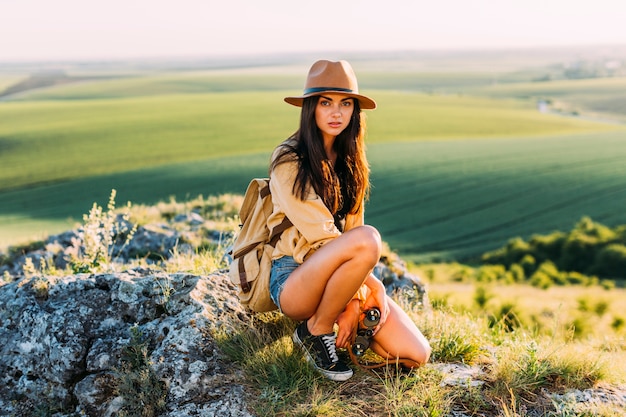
<point>71,30</point>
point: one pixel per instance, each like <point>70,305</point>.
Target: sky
<point>121,29</point>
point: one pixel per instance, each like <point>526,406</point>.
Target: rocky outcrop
<point>101,344</point>
<point>142,342</point>
<point>70,345</point>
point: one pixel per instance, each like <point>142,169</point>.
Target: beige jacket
<point>313,224</point>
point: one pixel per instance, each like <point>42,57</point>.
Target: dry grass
<point>517,369</point>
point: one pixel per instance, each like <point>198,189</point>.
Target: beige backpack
<point>253,246</point>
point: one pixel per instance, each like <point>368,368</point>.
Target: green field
<point>453,174</point>
<point>601,97</point>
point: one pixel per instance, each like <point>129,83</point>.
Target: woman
<point>322,265</point>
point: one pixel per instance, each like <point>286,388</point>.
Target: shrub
<point>462,273</point>
<point>529,265</point>
<point>580,327</point>
<point>517,272</point>
<point>506,317</point>
<point>601,307</point>
<point>607,284</point>
<point>601,233</point>
<point>512,252</point>
<point>100,231</point>
<point>610,261</point>
<point>589,248</point>
<point>618,323</point>
<point>490,273</point>
<point>482,296</point>
<point>579,251</point>
<point>545,276</point>
<point>547,247</point>
<point>576,278</point>
<point>143,393</point>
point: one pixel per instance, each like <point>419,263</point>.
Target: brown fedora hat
<point>332,77</point>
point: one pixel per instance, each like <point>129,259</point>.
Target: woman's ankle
<point>316,329</point>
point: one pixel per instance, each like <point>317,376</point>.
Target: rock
<point>460,374</point>
<point>393,272</point>
<point>64,348</point>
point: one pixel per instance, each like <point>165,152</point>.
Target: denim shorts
<point>281,269</point>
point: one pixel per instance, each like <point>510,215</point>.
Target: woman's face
<point>333,114</point>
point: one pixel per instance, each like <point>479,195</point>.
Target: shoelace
<point>329,342</point>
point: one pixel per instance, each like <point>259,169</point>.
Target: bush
<point>490,273</point>
<point>579,251</point>
<point>512,252</point>
<point>618,323</point>
<point>589,248</point>
<point>506,318</point>
<point>517,272</point>
<point>545,276</point>
<point>139,386</point>
<point>576,278</point>
<point>482,297</point>
<point>610,261</point>
<point>541,280</point>
<point>529,265</point>
<point>547,247</point>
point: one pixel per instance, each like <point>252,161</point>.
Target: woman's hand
<point>377,298</point>
<point>347,323</point>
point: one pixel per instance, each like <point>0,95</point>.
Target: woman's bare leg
<point>400,338</point>
<point>319,289</point>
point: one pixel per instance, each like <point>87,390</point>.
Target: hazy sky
<point>89,29</point>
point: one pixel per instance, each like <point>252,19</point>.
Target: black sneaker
<point>321,352</point>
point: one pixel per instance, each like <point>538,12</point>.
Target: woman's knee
<point>367,242</point>
<point>423,353</point>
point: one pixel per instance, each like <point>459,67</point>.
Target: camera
<point>365,331</point>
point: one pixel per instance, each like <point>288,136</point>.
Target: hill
<point>162,333</point>
<point>462,157</point>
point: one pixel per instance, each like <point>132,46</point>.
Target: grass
<point>449,198</point>
<point>516,365</point>
<point>144,84</point>
<point>574,312</point>
<point>415,116</point>
<point>47,142</point>
<point>51,141</point>
<point>601,97</point>
<point>461,174</point>
<point>138,385</point>
<point>66,147</point>
<point>455,199</point>
<point>518,368</point>
<point>7,80</point>
<point>281,383</point>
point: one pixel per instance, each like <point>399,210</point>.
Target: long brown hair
<point>344,187</point>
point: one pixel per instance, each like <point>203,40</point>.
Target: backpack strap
<point>277,231</point>
<point>265,191</point>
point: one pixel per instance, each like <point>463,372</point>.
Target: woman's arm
<point>377,297</point>
<point>347,323</point>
